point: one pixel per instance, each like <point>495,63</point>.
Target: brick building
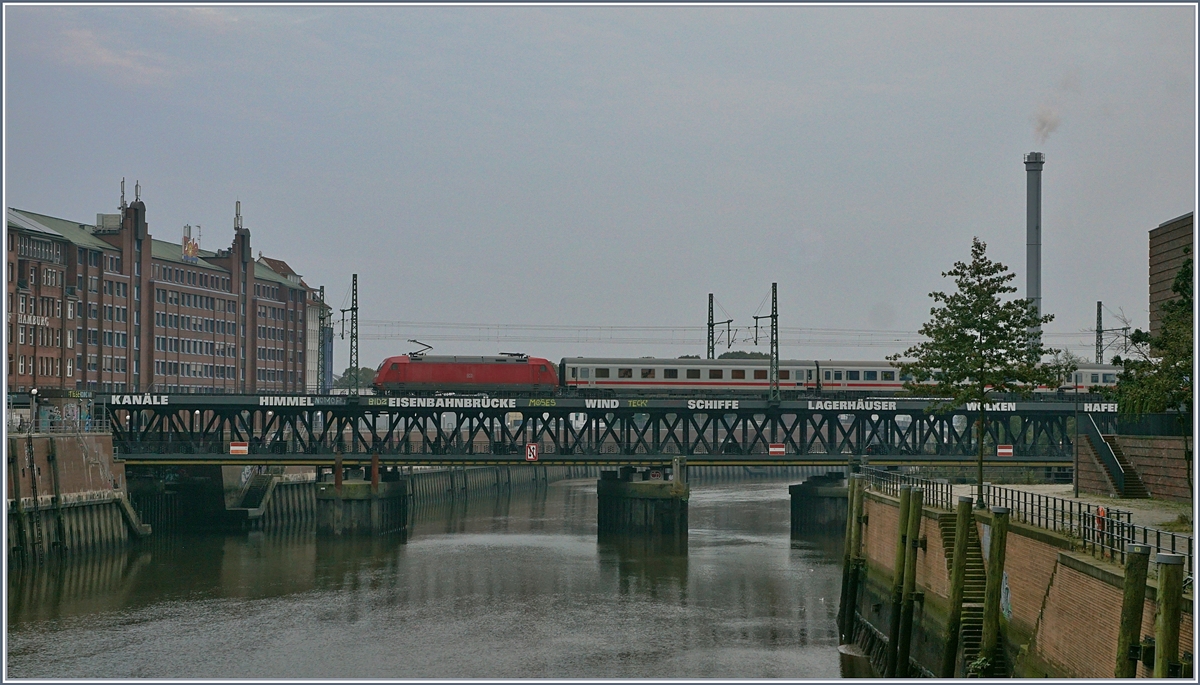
<point>107,307</point>
<point>314,305</point>
<point>1170,244</point>
<point>41,306</point>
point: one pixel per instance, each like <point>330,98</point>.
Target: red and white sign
<point>531,452</point>
<point>239,448</point>
<point>1004,450</point>
<point>776,449</point>
<point>656,475</point>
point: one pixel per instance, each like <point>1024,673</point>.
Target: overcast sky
<point>611,166</point>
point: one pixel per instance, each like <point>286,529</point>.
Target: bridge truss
<point>477,430</point>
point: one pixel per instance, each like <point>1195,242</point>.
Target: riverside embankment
<point>1059,591</point>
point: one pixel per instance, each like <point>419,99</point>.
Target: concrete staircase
<point>1134,487</point>
<point>971,626</point>
<point>256,490</point>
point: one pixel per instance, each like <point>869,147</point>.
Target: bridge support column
<point>362,507</point>
<point>627,505</point>
<point>819,504</point>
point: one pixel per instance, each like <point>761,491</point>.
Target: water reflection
<point>508,585</point>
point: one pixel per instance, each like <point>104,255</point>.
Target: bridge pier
<point>628,505</point>
<point>362,507</point>
<point>819,504</point>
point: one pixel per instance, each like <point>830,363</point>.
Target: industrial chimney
<point>1033,230</point>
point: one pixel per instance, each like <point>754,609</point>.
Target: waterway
<point>511,586</point>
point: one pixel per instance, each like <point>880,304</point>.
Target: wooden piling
<point>855,517</point>
<point>1137,561</point>
<point>846,552</point>
<point>60,528</point>
<point>1166,618</point>
<point>915,513</point>
<point>958,579</point>
<point>897,582</point>
<point>995,577</point>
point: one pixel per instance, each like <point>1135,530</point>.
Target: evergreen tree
<point>978,343</point>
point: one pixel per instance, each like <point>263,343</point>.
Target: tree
<point>978,343</point>
<point>1158,378</point>
<point>1062,364</point>
<point>365,377</point>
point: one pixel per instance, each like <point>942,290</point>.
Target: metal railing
<point>1048,511</point>
<point>1102,531</point>
<point>938,494</point>
<point>1107,540</point>
<point>57,426</point>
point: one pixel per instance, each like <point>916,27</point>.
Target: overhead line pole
<point>353,332</point>
<point>711,345</point>
<point>774,397</point>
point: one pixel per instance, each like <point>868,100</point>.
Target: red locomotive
<point>513,373</point>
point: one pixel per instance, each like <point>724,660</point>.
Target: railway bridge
<point>158,429</point>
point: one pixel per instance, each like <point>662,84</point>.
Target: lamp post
<point>33,417</point>
<point>1075,467</point>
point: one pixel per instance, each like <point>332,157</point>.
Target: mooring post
<point>375,472</point>
<point>1166,618</point>
<point>842,607</point>
<point>995,578</point>
<point>337,492</point>
<point>59,524</point>
<point>912,541</point>
<point>958,579</point>
<point>898,581</point>
<point>1137,561</point>
<point>14,480</point>
<point>856,556</point>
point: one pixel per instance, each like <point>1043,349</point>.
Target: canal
<point>508,586</point>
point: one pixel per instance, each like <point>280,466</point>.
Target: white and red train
<point>648,376</point>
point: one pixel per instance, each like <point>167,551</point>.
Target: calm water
<point>508,587</point>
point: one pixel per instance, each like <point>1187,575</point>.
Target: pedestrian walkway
<point>1152,513</point>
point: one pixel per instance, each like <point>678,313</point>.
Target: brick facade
<point>85,465</point>
<point>1161,462</point>
<point>1170,244</point>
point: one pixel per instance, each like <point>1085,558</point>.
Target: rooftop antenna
<point>123,205</point>
<point>137,191</point>
<point>237,214</point>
